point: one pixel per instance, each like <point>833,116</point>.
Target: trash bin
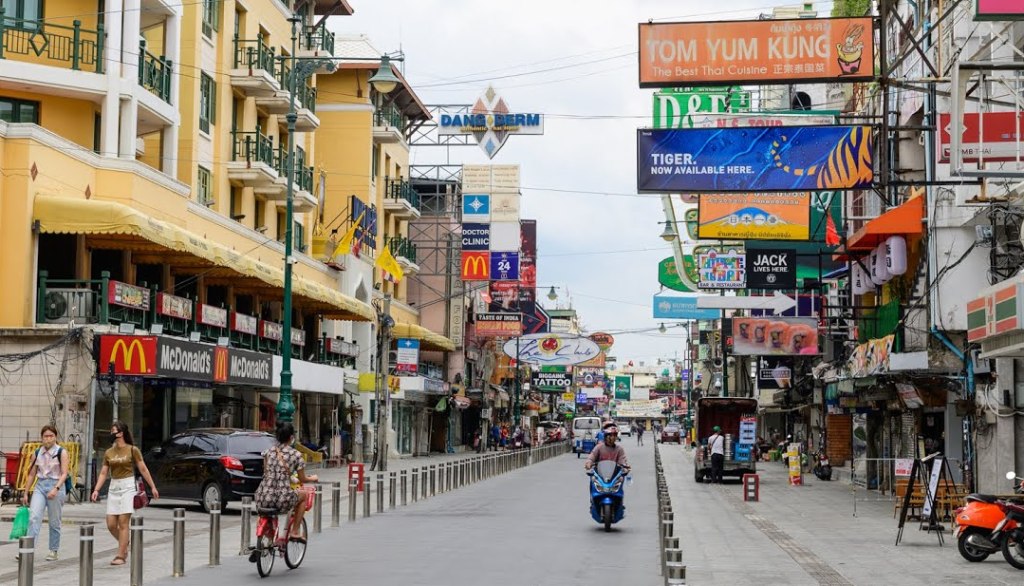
<point>11,466</point>
<point>356,471</point>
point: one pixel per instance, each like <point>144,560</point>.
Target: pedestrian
<point>639,434</point>
<point>495,436</point>
<point>49,469</point>
<point>121,462</point>
<point>717,445</point>
<point>504,436</point>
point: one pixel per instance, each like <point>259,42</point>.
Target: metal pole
<point>178,554</point>
<point>415,485</point>
<point>392,490</point>
<point>246,543</point>
<point>404,482</point>
<point>318,509</point>
<point>215,534</point>
<point>352,500</point>
<point>383,394</point>
<point>380,493</point>
<point>85,554</point>
<point>433,480</point>
<point>423,482</point>
<point>26,560</point>
<point>367,489</point>
<point>335,504</point>
<point>136,528</point>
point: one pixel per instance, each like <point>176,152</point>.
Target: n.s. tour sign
<point>551,349</point>
<point>491,122</point>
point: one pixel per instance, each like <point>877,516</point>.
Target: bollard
<point>352,485</point>
<point>85,555</point>
<point>318,509</point>
<point>433,479</point>
<point>673,555</point>
<point>675,573</point>
<point>405,497</point>
<point>335,504</point>
<point>178,549</point>
<point>367,489</point>
<point>668,544</point>
<point>392,487</point>
<point>415,484</point>
<point>136,528</point>
<point>214,534</point>
<point>26,560</point>
<point>247,508</point>
<point>380,493</point>
<point>423,482</point>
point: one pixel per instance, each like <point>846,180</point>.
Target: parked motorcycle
<point>823,469</point>
<point>607,482</point>
<point>1013,538</point>
<point>983,524</point>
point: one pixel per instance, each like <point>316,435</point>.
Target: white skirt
<point>121,496</point>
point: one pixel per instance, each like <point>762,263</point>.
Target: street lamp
<point>301,69</point>
<point>662,328</point>
<point>551,293</point>
<point>669,234</point>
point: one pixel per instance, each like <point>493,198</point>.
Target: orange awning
<point>904,220</point>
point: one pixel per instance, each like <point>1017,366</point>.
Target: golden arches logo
<point>128,352</point>
<point>220,364</point>
<point>476,266</point>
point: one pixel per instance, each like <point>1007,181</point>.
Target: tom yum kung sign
<point>717,53</point>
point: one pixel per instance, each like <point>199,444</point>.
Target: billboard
<point>779,336</point>
<point>666,307</point>
<point>551,349</point>
<point>527,266</point>
<point>668,276</point>
<point>623,386</point>
<point>757,119</point>
<point>589,376</point>
<point>726,269</point>
<point>490,122</point>
<point>675,108</point>
<point>501,325</point>
<point>551,378</point>
<point>755,51</point>
<point>754,216</point>
<point>994,135</point>
<point>774,372</point>
<point>779,158</point>
<point>771,268</point>
<point>999,10</point>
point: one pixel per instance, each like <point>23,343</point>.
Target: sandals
<point>117,561</point>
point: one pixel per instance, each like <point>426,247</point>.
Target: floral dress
<point>275,491</point>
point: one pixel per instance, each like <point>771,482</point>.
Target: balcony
<point>255,69</point>
<point>388,125</point>
<point>880,322</point>
<point>305,99</point>
<point>279,102</point>
<point>155,73</point>
<point>401,199</point>
<point>404,251</point>
<point>304,200</point>
<point>317,41</point>
<point>38,41</point>
<point>254,162</point>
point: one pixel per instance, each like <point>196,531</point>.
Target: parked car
<point>671,433</point>
<point>209,465</point>
<point>624,428</point>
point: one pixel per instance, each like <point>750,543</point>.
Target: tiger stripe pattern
<point>848,164</point>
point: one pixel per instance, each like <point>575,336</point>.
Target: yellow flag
<point>345,246</point>
<point>386,261</point>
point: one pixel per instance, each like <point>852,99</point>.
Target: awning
<point>63,215</point>
<point>903,220</point>
<point>428,339</point>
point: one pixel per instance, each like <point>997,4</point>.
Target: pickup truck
<point>725,412</point>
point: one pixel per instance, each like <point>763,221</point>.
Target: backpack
<point>68,484</point>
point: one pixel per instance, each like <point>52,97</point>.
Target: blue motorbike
<point>607,482</point>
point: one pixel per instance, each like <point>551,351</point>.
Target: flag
<point>346,244</point>
<point>831,234</point>
<point>387,263</point>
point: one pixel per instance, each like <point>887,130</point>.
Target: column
<point>131,33</point>
<point>110,112</point>
<point>172,50</point>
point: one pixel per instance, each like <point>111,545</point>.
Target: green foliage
<point>851,8</point>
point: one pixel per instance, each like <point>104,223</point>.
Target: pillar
<point>172,50</point>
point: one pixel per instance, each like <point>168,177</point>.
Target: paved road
<point>528,527</point>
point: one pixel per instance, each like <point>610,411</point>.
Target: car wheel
<point>212,494</point>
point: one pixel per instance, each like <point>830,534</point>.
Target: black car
<point>209,465</point>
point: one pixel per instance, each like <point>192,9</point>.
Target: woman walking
<point>49,469</point>
<point>283,469</point>
<point>121,461</point>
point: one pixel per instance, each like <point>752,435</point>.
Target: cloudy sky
<point>574,61</point>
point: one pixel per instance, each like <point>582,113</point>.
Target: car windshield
<point>671,428</point>
<point>250,443</point>
<point>589,423</point>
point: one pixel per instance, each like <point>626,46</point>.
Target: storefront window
<point>193,407</point>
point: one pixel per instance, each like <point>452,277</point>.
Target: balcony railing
<point>402,189</point>
<point>303,173</point>
<point>155,73</point>
<point>388,116</point>
<point>305,94</point>
<point>402,246</point>
<point>74,46</point>
<point>253,147</point>
<point>255,54</point>
<point>318,37</point>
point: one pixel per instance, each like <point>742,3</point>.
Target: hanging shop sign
<point>754,216</point>
<point>298,337</point>
<point>476,266</point>
<point>551,349</point>
<point>722,269</point>
<point>126,295</point>
<point>589,376</point>
<point>500,325</point>
<point>774,372</point>
<point>999,10</point>
<point>793,158</point>
<point>771,268</point>
<point>271,330</point>
<point>666,307</point>
<point>999,310</point>
<point>407,356</point>
<point>755,336</point>
<point>476,237</point>
<point>871,357</point>
<point>992,135</point>
<point>173,306</point>
<point>130,355</point>
<point>641,408</point>
<point>551,379</point>
<point>527,266</point>
<point>623,386</point>
<point>504,266</point>
<point>185,360</point>
<point>505,207</point>
<point>209,315</point>
<point>676,108</point>
<point>506,236</point>
<point>692,219</point>
<point>244,324</point>
<point>476,208</point>
<point>604,341</point>
<point>490,178</point>
<point>755,51</point>
<point>732,120</point>
<point>668,276</point>
<point>490,122</point>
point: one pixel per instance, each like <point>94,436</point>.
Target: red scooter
<point>983,524</point>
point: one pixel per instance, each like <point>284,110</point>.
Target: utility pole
<point>382,392</point>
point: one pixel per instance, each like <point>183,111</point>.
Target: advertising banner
<point>476,237</point>
<point>780,336</point>
<point>504,266</point>
<point>476,266</point>
<point>992,134</point>
<point>755,51</point>
<point>681,308</point>
<point>185,360</point>
<point>590,376</point>
<point>756,119</point>
<point>527,266</point>
<point>604,341</point>
<point>675,108</point>
<point>771,268</point>
<point>753,216</point>
<point>644,408</point>
<point>502,325</point>
<point>786,158</point>
<point>551,379</point>
<point>774,372</point>
<point>668,277</point>
<point>503,296</point>
<point>999,10</point>
<point>623,386</point>
<point>407,357</point>
<point>551,349</point>
<point>722,269</point>
<point>173,306</point>
<point>871,357</point>
<point>476,208</point>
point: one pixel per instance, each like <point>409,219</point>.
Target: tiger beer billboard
<point>676,54</point>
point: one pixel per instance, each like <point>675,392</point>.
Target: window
<point>97,131</point>
<point>375,162</point>
<point>261,214</point>
<point>236,204</point>
<point>24,10</point>
<point>280,226</point>
<point>12,110</point>
<point>298,237</point>
<point>211,17</point>
<point>204,191</point>
<point>207,102</point>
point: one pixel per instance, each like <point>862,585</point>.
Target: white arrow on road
<point>776,303</point>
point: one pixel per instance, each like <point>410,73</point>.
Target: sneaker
<point>52,557</point>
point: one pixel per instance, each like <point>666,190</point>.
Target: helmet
<point>716,428</point>
<point>611,429</point>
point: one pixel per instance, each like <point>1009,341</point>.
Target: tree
<point>848,8</point>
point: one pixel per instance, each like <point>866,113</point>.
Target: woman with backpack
<point>49,470</point>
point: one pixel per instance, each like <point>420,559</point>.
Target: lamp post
<point>301,69</point>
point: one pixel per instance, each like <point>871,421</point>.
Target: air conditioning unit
<point>60,306</point>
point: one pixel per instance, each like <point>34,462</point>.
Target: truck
<point>727,413</point>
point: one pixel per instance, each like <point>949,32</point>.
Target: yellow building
<point>142,200</point>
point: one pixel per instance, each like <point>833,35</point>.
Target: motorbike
<point>1013,537</point>
<point>823,469</point>
<point>982,525</point>
<point>606,493</point>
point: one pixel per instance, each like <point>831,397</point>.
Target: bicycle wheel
<point>295,551</point>
<point>265,561</point>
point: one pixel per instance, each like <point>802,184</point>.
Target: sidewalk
<point>808,535</point>
<point>158,530</point>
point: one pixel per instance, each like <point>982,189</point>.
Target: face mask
<point>113,437</point>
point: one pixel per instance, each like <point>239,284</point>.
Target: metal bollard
<point>136,527</point>
<point>668,544</point>
<point>352,484</point>
<point>392,488</point>
<point>433,479</point>
<point>415,484</point>
<point>367,489</point>
<point>673,555</point>
<point>447,484</point>
<point>405,485</point>
<point>26,560</point>
<point>214,535</point>
<point>178,549</point>
<point>380,493</point>
<point>675,573</point>
<point>335,504</point>
<point>85,555</point>
<point>318,509</point>
<point>247,508</point>
<point>423,482</point>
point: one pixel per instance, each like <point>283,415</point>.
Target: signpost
<point>776,302</point>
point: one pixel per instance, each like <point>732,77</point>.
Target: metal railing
<point>155,73</point>
<point>73,45</point>
<point>255,54</point>
<point>318,37</point>
<point>388,116</point>
<point>402,189</point>
<point>401,246</point>
<point>252,147</point>
<point>303,173</point>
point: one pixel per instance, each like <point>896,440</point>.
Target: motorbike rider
<point>608,449</point>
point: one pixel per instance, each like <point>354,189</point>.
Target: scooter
<point>823,470</point>
<point>607,482</point>
<point>983,524</point>
<point>1013,537</point>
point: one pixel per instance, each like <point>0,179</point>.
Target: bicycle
<point>270,541</point>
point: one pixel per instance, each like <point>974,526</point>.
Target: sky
<point>574,61</point>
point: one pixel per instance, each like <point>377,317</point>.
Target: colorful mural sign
<point>754,216</point>
<point>722,269</point>
<point>871,357</point>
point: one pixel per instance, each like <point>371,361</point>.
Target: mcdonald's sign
<point>476,266</point>
<point>130,355</point>
<point>220,364</point>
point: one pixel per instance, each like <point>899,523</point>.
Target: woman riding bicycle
<point>284,472</point>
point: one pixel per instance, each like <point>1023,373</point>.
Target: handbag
<point>141,498</point>
<point>20,526</point>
